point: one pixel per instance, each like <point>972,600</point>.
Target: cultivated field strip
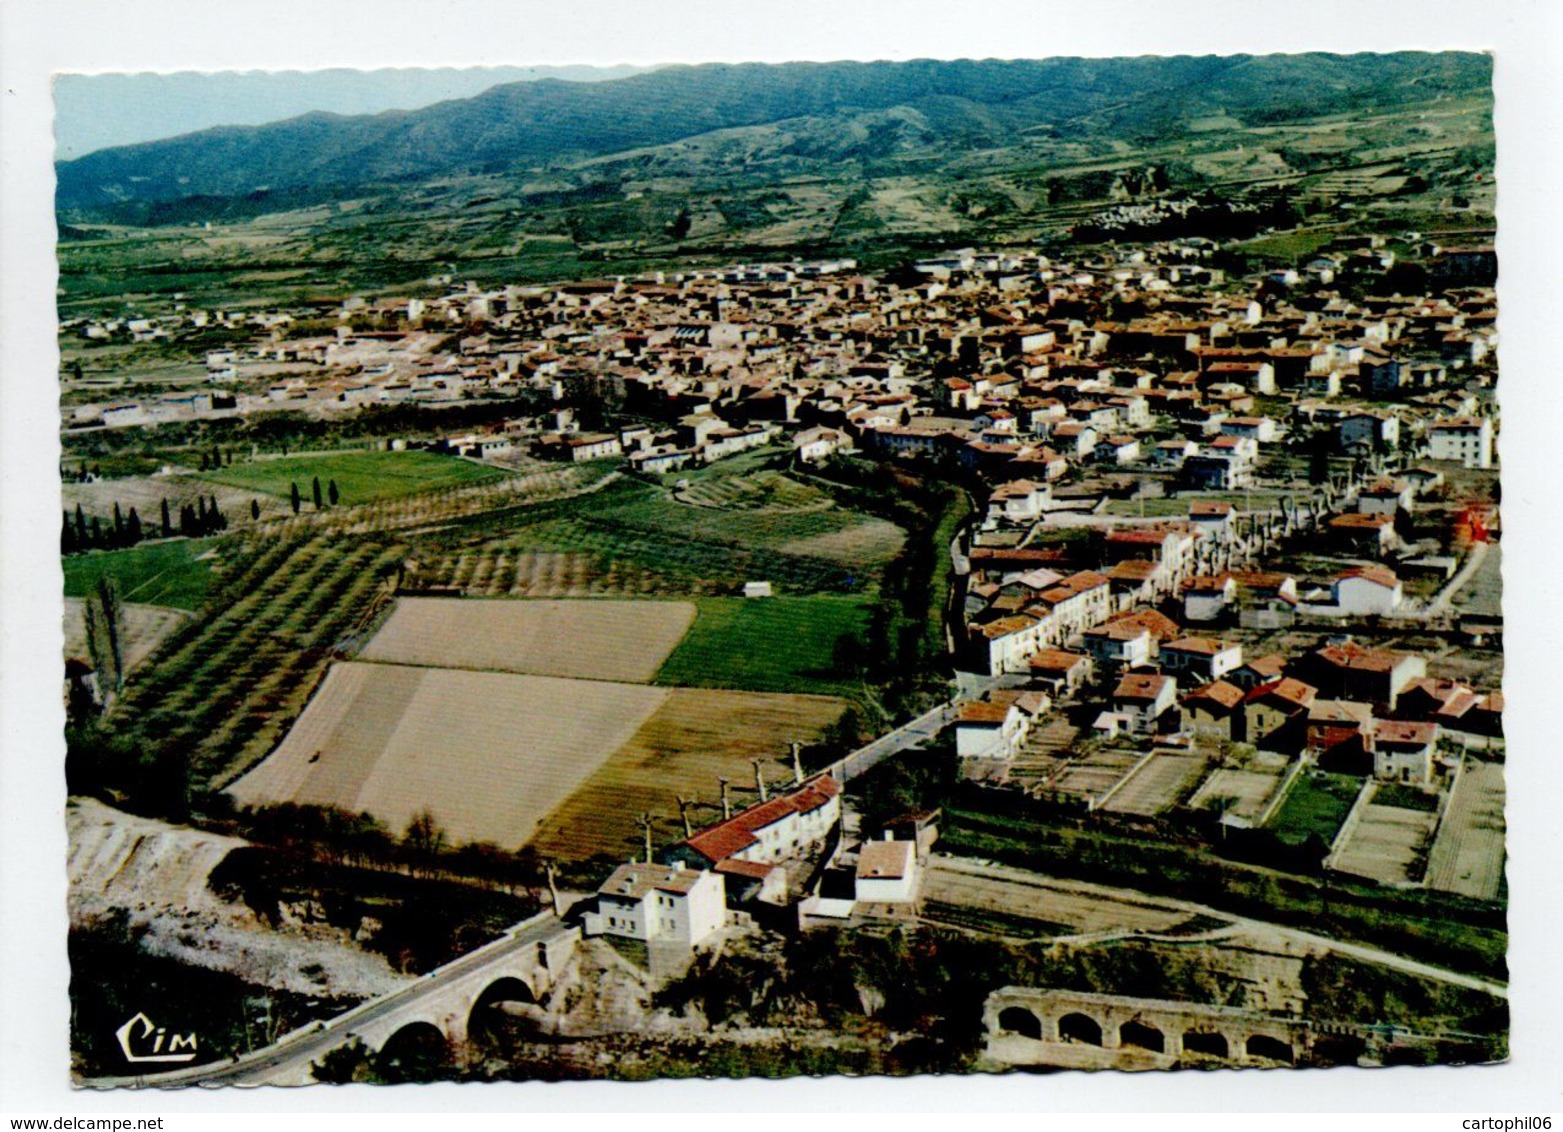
<point>488,754</point>
<point>696,737</point>
<point>624,641</point>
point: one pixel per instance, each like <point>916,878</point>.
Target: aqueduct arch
<point>1023,1022</point>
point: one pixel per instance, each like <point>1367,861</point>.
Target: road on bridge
<point>291,1055</point>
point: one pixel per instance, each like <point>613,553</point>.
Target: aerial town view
<point>819,568</point>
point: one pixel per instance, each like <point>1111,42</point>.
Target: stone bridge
<point>440,1009</point>
<point>1028,1026</point>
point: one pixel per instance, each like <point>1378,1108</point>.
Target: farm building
<point>777,829</point>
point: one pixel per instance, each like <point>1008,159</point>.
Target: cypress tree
<point>332,493</point>
<point>119,525</point>
<point>168,527</point>
<point>319,503</point>
<point>67,535</point>
<point>296,499</point>
<point>97,532</point>
<point>81,528</point>
<point>255,509</point>
<point>133,527</point>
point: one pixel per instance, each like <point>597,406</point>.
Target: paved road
<point>1261,927</point>
<point>292,1054</point>
<point>1473,561</point>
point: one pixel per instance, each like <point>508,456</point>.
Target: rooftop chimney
<point>759,780</point>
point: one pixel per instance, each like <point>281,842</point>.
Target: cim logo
<point>143,1040</point>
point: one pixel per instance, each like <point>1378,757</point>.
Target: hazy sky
<point>96,111</point>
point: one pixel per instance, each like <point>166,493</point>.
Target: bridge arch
<point>1137,1033</point>
<point>1267,1047</point>
<point>1078,1027</point>
<point>482,1013</point>
<point>418,1051</point>
<point>1207,1042</point>
<point>1019,1020</point>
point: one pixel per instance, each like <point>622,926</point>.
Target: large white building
<point>660,904</point>
<point>1465,439</point>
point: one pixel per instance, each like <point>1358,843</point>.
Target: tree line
<point>80,532</point>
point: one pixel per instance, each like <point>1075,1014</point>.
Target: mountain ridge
<point>542,124</point>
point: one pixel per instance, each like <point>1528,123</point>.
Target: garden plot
<point>1158,785</point>
<point>1385,843</point>
<point>1243,792</point>
<point>1467,856</point>
<point>1096,773</point>
<point>592,640</point>
<point>488,754</point>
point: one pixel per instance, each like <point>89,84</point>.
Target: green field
<point>777,644</point>
<point>361,477</point>
<point>162,573</point>
<point>1316,806</point>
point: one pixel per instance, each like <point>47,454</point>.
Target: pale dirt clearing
<point>488,754</point>
<point>1467,856</point>
<point>874,540</point>
<point>695,738</point>
<point>146,627</point>
<point>1385,843</point>
<point>158,873</point>
<point>624,641</point>
<point>963,883</point>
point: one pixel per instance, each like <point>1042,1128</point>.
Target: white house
<point>1206,596</point>
<point>1204,659</point>
<point>1364,590</point>
<point>1019,501</point>
<point>1119,646</point>
<point>886,872</point>
<point>1140,700</point>
<point>1403,751</point>
<point>995,729</point>
<point>1467,440</point>
<point>814,445</point>
<point>660,903</point>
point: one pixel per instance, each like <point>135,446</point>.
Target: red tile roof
<point>721,841</point>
